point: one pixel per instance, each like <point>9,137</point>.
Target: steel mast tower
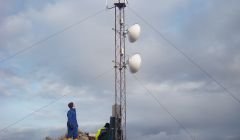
<point>120,71</point>
<point>118,119</point>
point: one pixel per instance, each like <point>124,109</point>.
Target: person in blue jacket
<point>72,124</point>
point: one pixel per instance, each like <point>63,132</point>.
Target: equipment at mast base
<point>115,123</point>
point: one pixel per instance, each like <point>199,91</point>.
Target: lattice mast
<point>120,71</point>
<point>118,119</point>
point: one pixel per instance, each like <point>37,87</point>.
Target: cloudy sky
<point>78,63</point>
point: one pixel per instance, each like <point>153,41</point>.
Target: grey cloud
<point>209,35</point>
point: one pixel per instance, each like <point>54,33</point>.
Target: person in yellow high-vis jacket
<point>103,133</point>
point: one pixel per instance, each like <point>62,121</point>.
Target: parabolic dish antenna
<point>134,63</point>
<point>134,32</point>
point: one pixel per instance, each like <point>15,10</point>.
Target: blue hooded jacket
<point>72,119</point>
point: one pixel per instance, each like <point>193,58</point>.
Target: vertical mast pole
<point>120,75</point>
